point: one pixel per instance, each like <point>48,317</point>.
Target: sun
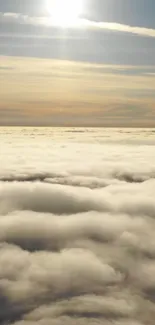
<point>64,13</point>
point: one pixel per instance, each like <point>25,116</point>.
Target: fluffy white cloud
<point>77,227</point>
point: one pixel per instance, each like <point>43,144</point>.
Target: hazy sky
<point>100,71</point>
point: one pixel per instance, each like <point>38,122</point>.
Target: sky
<point>97,72</point>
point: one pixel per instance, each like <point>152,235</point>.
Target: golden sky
<point>52,90</point>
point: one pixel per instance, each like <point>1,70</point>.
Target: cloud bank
<point>77,227</point>
<point>81,23</point>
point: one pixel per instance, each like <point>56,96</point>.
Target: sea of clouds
<point>77,226</point>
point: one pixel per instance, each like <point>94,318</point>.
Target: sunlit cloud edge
<point>80,23</point>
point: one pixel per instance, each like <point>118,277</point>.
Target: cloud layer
<point>77,227</point>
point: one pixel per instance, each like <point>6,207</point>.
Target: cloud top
<point>76,247</point>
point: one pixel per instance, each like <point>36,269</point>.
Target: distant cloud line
<point>82,23</point>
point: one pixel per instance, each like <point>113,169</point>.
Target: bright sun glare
<point>65,13</point>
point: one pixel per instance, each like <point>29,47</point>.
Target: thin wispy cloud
<point>113,26</point>
<point>81,23</point>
